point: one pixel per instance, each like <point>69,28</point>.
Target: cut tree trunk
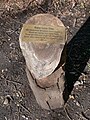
<point>45,61</point>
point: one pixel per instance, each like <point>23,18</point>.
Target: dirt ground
<point>17,101</point>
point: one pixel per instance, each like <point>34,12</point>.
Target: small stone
<point>2,71</point>
<point>9,39</point>
<point>76,88</point>
<point>23,116</point>
<point>17,94</point>
<point>26,118</point>
<point>48,113</point>
<point>73,3</point>
<point>68,27</point>
<point>11,44</point>
<point>77,104</point>
<point>71,97</point>
<point>6,102</point>
<point>82,5</point>
<point>84,15</point>
<point>18,105</point>
<point>78,83</point>
<point>5,118</point>
<point>6,69</point>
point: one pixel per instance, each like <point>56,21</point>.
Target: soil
<point>17,101</point>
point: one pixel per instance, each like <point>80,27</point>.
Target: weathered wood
<point>44,65</point>
<point>48,98</point>
<point>41,58</point>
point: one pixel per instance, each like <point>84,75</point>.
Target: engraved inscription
<point>42,33</point>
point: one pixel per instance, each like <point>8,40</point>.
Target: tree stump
<point>42,41</point>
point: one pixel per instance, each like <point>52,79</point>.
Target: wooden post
<point>42,40</point>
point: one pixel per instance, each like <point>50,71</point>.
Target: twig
<point>31,2</point>
<point>15,82</point>
<point>26,109</point>
<point>42,9</point>
<point>74,22</point>
<point>39,6</point>
<point>83,114</point>
<point>11,112</point>
<point>69,31</point>
<point>18,113</point>
<point>67,114</point>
